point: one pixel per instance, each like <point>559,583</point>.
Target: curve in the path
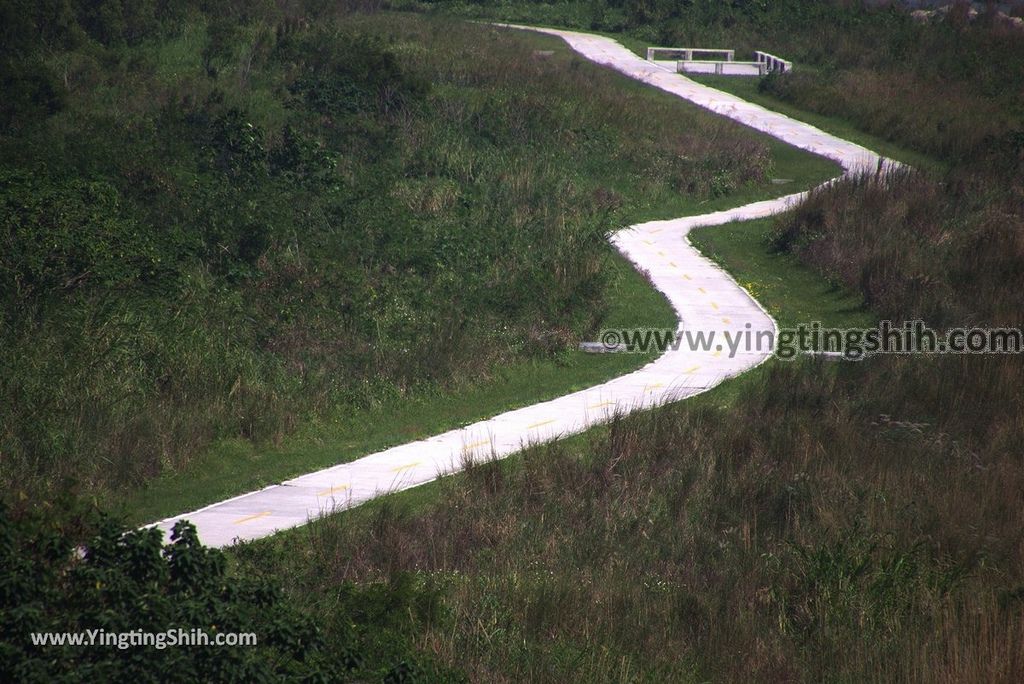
<point>704,297</point>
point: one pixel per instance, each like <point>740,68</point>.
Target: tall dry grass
<point>851,523</point>
<point>946,250</point>
<point>330,211</point>
<point>872,542</point>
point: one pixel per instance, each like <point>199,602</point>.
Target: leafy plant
<point>68,569</point>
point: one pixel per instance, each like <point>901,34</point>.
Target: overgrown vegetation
<point>947,87</point>
<point>69,571</point>
<point>859,522</point>
<point>699,542</point>
<point>222,221</point>
<point>849,522</point>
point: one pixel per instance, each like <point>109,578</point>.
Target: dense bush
<point>251,216</point>
<point>72,571</point>
<point>65,568</point>
<point>946,252</point>
<point>63,236</point>
<point>940,87</point>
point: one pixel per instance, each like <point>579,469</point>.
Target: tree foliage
<point>70,569</point>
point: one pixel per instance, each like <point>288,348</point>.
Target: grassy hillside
<point>230,223</point>
<point>807,522</point>
<point>945,88</point>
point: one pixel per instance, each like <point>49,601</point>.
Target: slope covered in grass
<point>806,522</point>
<point>943,88</point>
<point>227,224</point>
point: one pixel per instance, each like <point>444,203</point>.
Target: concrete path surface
<point>704,297</point>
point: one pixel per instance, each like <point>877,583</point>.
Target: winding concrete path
<point>705,298</point>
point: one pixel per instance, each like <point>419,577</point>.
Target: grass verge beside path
<point>369,543</point>
<point>235,466</point>
<point>789,290</point>
<point>747,89</point>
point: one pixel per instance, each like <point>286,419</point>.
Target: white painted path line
<point>692,284</point>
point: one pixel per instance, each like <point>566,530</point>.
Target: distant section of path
<point>704,297</point>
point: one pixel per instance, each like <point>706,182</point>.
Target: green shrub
<point>71,570</point>
<point>344,74</point>
<point>65,568</point>
<point>229,256</point>
<point>62,236</point>
<point>31,91</point>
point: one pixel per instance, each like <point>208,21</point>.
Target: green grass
<point>802,169</point>
<point>804,522</point>
<point>747,88</point>
<point>789,290</point>
<point>809,511</point>
<point>233,466</point>
<point>303,557</point>
<point>261,358</point>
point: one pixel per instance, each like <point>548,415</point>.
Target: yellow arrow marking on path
<point>702,290</point>
<point>687,276</point>
<point>247,518</point>
<point>727,321</point>
<point>651,388</point>
<point>714,306</point>
<point>332,490</point>
<point>602,404</point>
<point>407,466</point>
<point>474,445</point>
<point>694,369</point>
<point>540,424</point>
